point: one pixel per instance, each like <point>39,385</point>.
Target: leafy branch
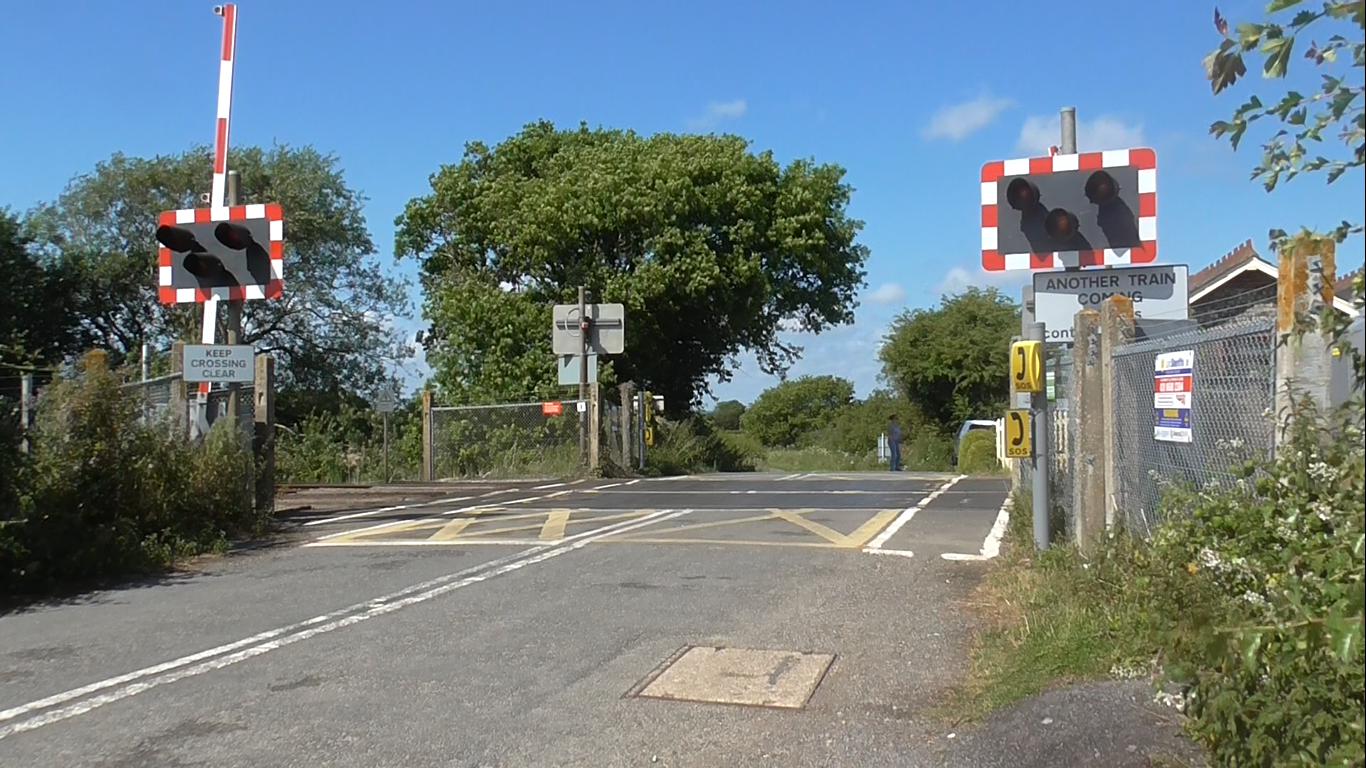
<point>1334,111</point>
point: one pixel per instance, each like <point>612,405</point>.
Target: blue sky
<point>911,98</point>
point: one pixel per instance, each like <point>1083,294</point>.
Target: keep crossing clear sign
<point>222,363</point>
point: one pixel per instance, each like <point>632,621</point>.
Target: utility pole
<point>1069,131</point>
<point>1042,458</point>
<point>234,313</point>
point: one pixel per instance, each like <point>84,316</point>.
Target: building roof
<point>1244,260</point>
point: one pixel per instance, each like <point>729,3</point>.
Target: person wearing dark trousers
<point>894,442</point>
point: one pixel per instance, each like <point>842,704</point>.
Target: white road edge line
<point>906,515</point>
<point>792,476</point>
<point>348,616</point>
<point>382,510</point>
<point>548,486</point>
<point>899,552</point>
<point>991,547</point>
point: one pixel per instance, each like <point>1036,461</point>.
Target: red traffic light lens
<point>1060,224</point>
<point>203,265</point>
<point>177,239</point>
<point>1101,188</point>
<point>1022,194</point>
<point>234,236</point>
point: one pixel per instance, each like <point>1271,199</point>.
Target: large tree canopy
<point>35,327</point>
<point>782,415</point>
<point>711,247</point>
<point>950,361</point>
<point>332,329</point>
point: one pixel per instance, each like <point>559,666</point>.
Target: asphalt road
<point>522,624</point>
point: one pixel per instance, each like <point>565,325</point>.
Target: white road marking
<point>991,547</point>
<point>633,482</point>
<point>548,486</point>
<point>898,552</point>
<point>906,515</point>
<point>395,508</point>
<point>792,476</point>
<point>176,670</point>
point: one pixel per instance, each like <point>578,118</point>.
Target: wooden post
<point>428,469</point>
<point>594,428</point>
<point>263,438</point>
<point>1088,433</point>
<point>627,396</point>
<point>179,405</point>
<point>1116,329</point>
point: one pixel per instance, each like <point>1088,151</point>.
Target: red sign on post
<point>552,409</point>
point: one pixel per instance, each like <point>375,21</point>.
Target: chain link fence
<point>1232,413</point>
<point>158,396</point>
<point>507,440</point>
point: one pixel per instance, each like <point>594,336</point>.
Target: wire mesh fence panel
<point>508,440</point>
<point>1231,414</point>
<point>610,430</point>
<point>217,406</point>
<point>1060,444</point>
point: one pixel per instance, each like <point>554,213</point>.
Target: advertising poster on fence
<point>1173,393</point>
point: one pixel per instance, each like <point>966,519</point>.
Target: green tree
<point>711,247</point>
<point>781,416</point>
<point>35,326</point>
<point>1306,124</point>
<point>950,361</point>
<point>331,330</point>
<point>726,415</point>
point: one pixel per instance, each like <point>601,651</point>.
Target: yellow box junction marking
<point>555,522</point>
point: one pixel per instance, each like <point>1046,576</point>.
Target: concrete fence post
<point>1304,362</point>
<point>1088,435</point>
<point>1116,329</point>
<point>263,438</point>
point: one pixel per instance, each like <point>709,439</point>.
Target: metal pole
<point>1069,131</point>
<point>583,373</point>
<point>25,407</point>
<point>146,362</point>
<point>1042,455</point>
<point>234,314</point>
<point>386,447</point>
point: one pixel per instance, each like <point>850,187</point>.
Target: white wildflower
<point>1255,598</point>
<point>1209,558</point>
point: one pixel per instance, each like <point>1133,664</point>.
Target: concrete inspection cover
<point>745,676</point>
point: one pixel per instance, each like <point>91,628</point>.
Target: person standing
<point>894,442</point>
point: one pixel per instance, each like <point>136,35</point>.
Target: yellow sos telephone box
<point>1026,366</point>
<point>1019,434</point>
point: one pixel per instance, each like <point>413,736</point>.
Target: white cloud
<point>888,293</point>
<point>719,112</point>
<point>959,121</point>
<point>959,279</point>
<point>1105,132</point>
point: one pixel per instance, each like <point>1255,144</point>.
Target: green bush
<point>105,494</point>
<point>927,451</point>
<point>977,456</point>
<point>1273,653</point>
<point>1250,598</point>
<point>691,446</point>
<point>348,446</point>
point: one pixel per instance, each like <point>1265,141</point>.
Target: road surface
<point>728,620</point>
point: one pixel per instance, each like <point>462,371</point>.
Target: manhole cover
<point>746,676</point>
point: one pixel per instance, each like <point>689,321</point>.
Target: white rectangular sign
<point>1159,292</point>
<point>1173,396</point>
<point>221,363</point>
<point>606,336</point>
<point>569,369</point>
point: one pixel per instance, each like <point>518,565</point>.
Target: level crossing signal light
<point>232,253</point>
<point>1092,209</point>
